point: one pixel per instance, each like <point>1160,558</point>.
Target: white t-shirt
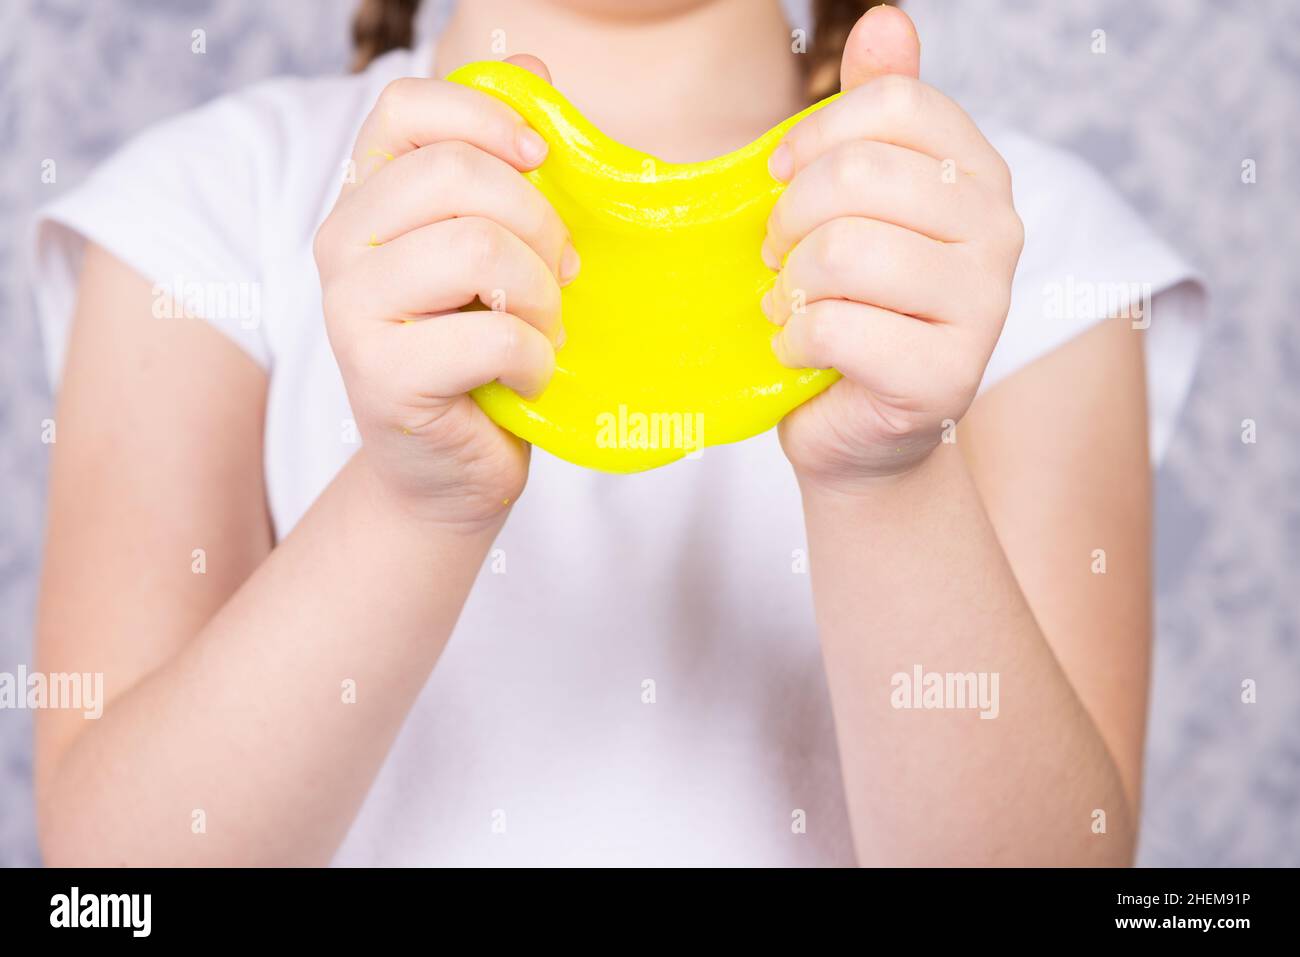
<point>636,677</point>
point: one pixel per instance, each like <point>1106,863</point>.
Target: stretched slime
<point>667,347</point>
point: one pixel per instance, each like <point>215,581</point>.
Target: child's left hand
<point>902,241</point>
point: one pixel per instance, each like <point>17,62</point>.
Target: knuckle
<point>482,244</point>
<point>322,243</point>
<point>834,252</point>
<point>378,371</point>
<point>356,356</point>
<point>780,219</point>
<point>1015,231</point>
<point>900,96</point>
<point>1002,173</point>
<point>395,93</point>
<point>507,342</point>
<point>1000,303</point>
<point>541,221</point>
<point>333,309</point>
<point>818,138</point>
<point>450,161</point>
<point>535,224</point>
<point>347,352</point>
<point>551,300</point>
<point>851,166</point>
<point>987,272</point>
<point>805,137</point>
<point>819,336</point>
<point>994,298</point>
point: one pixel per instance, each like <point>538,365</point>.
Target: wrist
<point>857,488</point>
<point>426,516</point>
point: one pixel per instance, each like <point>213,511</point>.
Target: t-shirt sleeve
<point>178,204</point>
<point>1089,256</point>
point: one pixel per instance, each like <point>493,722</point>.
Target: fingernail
<point>766,304</point>
<point>561,338</point>
<point>570,263</point>
<point>781,163</point>
<point>532,148</point>
<point>769,257</point>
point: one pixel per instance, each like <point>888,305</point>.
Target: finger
<point>414,112</point>
<point>900,110</point>
<point>444,266</point>
<point>877,181</point>
<point>448,355</point>
<point>883,41</point>
<point>890,354</point>
<point>868,261</point>
<point>530,63</point>
<point>439,182</point>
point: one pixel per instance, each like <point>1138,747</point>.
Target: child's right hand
<point>439,215</point>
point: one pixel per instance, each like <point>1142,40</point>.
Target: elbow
<point>59,847</point>
<point>74,827</point>
<point>1119,849</point>
<point>68,837</point>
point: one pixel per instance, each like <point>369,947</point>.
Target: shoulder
<point>1067,206</point>
<point>254,151</point>
<point>212,195</point>
<point>1089,256</point>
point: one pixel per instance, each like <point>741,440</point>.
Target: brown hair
<point>383,25</point>
<point>832,21</point>
<point>380,26</point>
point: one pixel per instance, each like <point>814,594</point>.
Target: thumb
<point>530,63</point>
<point>883,41</point>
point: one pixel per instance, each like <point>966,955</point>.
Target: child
<point>912,628</point>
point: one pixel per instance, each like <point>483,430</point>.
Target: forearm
<point>275,719</point>
<point>909,573</point>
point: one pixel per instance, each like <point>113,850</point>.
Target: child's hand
<point>439,215</point>
<point>902,242</point>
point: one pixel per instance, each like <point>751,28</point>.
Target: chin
<point>631,9</point>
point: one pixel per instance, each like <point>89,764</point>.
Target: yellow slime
<point>668,349</point>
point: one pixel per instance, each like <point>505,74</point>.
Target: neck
<point>684,86</point>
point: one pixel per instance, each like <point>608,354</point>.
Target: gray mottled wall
<point>1183,94</point>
